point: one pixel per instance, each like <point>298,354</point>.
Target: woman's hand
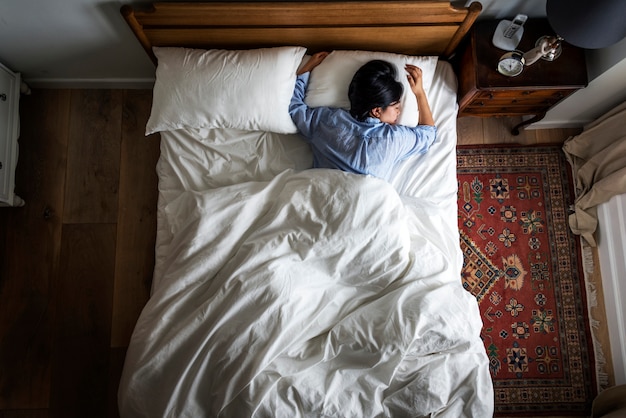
<point>414,75</point>
<point>314,61</point>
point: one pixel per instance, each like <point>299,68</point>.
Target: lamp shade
<point>588,24</point>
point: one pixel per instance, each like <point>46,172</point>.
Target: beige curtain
<point>598,159</point>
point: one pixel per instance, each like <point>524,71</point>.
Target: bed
<point>280,290</point>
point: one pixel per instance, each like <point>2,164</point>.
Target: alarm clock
<point>511,63</point>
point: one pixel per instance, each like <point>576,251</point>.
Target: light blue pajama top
<point>340,141</point>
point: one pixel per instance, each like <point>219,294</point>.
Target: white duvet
<point>282,292</point>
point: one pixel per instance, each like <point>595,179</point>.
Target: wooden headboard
<point>404,27</point>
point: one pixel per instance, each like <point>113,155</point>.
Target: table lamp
<point>589,24</point>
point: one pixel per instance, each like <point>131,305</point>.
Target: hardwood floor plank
<point>491,131</point>
<point>474,130</point>
<point>93,165</point>
<point>498,131</point>
<point>555,136</point>
<point>469,130</point>
<point>136,216</point>
<point>30,256</point>
<point>598,313</point>
<point>116,365</point>
<point>82,321</point>
<point>25,413</point>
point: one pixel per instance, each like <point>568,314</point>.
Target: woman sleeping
<point>366,139</point>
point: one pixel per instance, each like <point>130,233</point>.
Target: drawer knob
<point>48,213</point>
<point>3,97</point>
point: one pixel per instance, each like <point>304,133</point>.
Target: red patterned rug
<point>524,266</point>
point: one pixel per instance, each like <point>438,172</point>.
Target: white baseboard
<point>611,236</point>
<point>579,123</point>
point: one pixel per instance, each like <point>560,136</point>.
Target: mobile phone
<point>515,25</point>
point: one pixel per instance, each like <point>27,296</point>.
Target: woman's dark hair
<point>373,85</point>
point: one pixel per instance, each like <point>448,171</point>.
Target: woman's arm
<point>313,62</point>
<point>415,81</point>
<point>304,117</point>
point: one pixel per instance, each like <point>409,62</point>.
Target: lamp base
<point>555,51</point>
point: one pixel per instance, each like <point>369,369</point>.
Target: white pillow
<point>329,82</point>
<point>248,90</point>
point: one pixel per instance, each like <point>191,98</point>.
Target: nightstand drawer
<point>528,94</point>
<point>515,100</point>
<point>510,109</point>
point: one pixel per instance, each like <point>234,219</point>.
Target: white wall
<point>506,9</point>
<point>71,43</point>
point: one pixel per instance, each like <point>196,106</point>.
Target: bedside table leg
<point>536,118</point>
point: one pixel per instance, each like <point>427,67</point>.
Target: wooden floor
<point>76,261</point>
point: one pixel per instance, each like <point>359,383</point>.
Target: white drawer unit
<point>9,132</point>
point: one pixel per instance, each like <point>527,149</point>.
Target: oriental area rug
<point>523,265</point>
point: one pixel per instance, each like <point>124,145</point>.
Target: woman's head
<point>374,91</point>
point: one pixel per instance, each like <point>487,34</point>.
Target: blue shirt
<point>340,141</point>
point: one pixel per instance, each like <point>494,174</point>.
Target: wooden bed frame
<point>404,27</point>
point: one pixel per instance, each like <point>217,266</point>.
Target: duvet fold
<point>315,293</point>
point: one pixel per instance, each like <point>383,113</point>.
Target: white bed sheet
<point>279,290</point>
<point>202,159</point>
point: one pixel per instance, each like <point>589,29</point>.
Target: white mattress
<point>280,290</point>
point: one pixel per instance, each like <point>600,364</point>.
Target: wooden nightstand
<point>485,92</point>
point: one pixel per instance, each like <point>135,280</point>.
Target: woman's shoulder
<point>417,128</point>
<point>335,113</point>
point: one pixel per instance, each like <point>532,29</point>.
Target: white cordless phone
<point>515,25</point>
<point>509,32</point>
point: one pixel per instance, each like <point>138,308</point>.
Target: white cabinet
<point>9,132</point>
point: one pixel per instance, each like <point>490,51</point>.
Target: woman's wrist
<point>419,94</point>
